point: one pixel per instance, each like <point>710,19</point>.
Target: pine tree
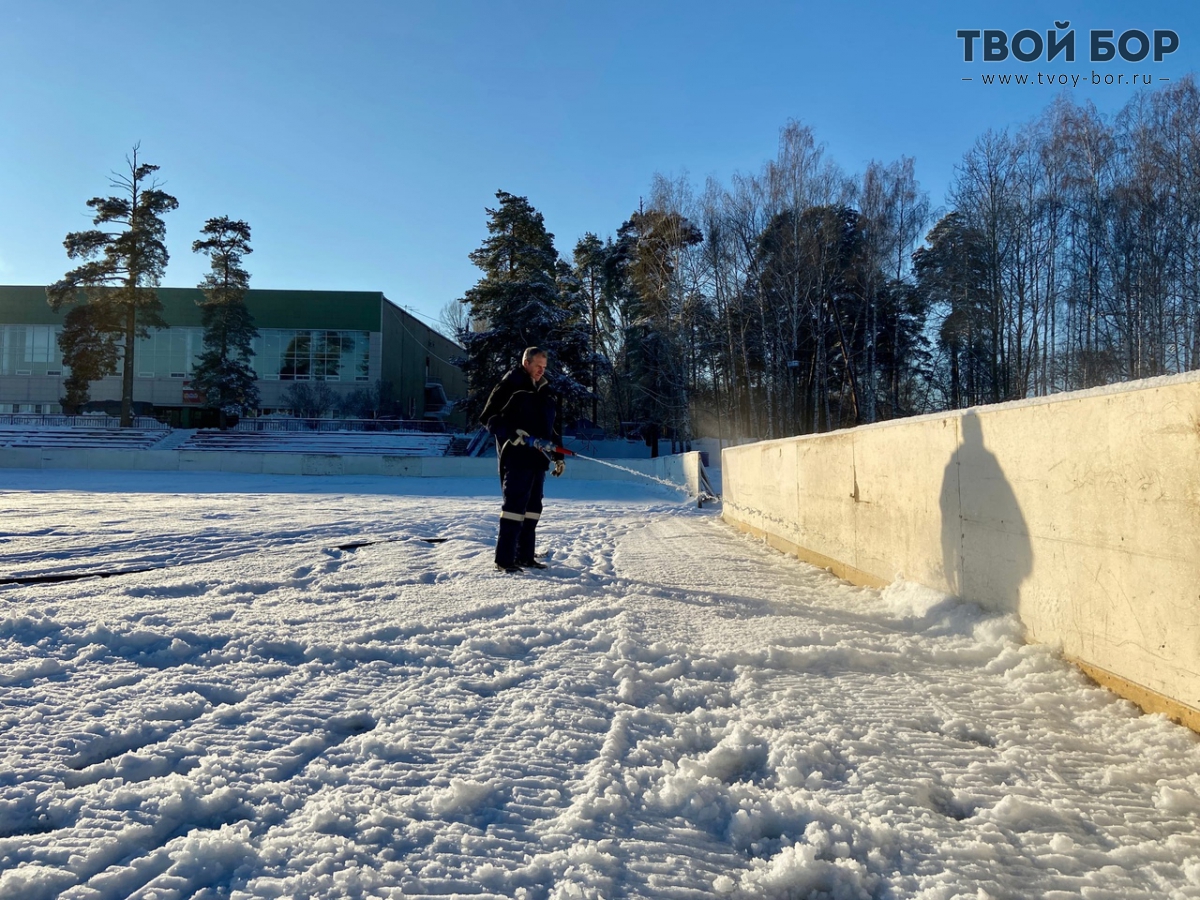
<point>223,373</point>
<point>643,269</point>
<point>518,303</point>
<point>591,259</point>
<point>122,269</point>
<point>93,351</point>
<point>953,276</point>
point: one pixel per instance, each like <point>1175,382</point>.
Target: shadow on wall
<point>986,552</point>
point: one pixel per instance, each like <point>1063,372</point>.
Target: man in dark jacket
<point>521,409</point>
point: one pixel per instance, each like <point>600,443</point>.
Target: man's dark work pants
<point>520,511</point>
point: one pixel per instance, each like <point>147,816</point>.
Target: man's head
<point>534,362</point>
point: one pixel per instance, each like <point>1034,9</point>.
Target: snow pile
<point>670,710</point>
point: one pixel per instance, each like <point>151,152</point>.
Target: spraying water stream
<point>703,494</point>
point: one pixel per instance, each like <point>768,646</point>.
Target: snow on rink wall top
<point>1078,512</point>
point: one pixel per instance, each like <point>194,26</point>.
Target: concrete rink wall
<point>1078,512</point>
<point>679,470</point>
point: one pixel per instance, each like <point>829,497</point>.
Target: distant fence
<point>322,425</point>
<point>145,423</point>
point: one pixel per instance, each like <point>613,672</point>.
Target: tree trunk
<point>127,367</point>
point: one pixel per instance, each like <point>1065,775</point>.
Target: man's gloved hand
<point>520,438</point>
<point>559,468</point>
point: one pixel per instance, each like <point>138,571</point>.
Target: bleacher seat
<point>346,443</point>
<point>74,438</point>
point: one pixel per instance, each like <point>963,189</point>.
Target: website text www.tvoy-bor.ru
<point>1074,80</point>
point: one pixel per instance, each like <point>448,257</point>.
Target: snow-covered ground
<point>672,710</point>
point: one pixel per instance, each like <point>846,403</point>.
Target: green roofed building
<point>349,340</point>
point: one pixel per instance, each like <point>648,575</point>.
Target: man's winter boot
<point>525,543</point>
<point>506,540</point>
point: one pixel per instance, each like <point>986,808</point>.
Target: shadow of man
<point>986,551</point>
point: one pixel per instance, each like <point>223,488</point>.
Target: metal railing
<point>281,424</point>
<point>478,443</point>
<point>45,420</point>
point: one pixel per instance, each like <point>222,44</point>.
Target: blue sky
<point>363,140</point>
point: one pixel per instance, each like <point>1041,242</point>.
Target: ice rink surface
<point>257,708</point>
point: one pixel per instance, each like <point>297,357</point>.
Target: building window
<point>296,364</point>
<point>327,354</point>
<point>38,341</point>
<point>268,350</point>
<point>311,355</point>
<point>168,352</point>
<point>29,350</point>
<point>278,353</point>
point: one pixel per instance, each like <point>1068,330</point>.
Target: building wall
<point>414,354</point>
<point>162,364</point>
<point>1080,513</point>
